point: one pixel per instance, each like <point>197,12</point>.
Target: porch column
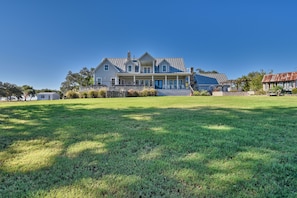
<point>189,82</point>
<point>165,81</point>
<point>177,86</point>
<point>134,80</point>
<point>116,80</point>
<point>153,82</point>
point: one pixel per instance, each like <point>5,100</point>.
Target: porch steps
<point>173,92</point>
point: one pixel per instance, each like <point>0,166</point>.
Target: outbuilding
<point>48,96</point>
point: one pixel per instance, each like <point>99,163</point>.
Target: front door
<point>158,84</point>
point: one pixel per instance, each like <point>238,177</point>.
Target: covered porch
<point>157,81</point>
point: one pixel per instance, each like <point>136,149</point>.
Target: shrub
<point>93,94</point>
<point>102,93</point>
<point>72,94</point>
<point>144,92</point>
<point>294,91</point>
<point>277,90</point>
<point>153,92</point>
<point>132,93</point>
<point>260,92</point>
<point>201,93</point>
<point>83,94</point>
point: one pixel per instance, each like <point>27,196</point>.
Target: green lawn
<point>149,147</point>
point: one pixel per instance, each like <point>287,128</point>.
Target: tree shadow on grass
<point>53,150</point>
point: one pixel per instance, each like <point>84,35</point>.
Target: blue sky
<point>41,40</point>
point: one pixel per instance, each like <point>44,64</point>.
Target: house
<point>145,71</point>
<point>210,81</point>
<point>48,96</point>
<point>287,81</point>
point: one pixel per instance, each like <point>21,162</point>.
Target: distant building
<point>48,96</point>
<point>210,81</point>
<point>287,81</point>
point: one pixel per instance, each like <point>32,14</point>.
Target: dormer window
<point>136,68</point>
<point>129,68</point>
<point>106,68</point>
<point>164,68</point>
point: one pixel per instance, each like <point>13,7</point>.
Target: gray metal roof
<point>176,63</point>
<point>219,77</point>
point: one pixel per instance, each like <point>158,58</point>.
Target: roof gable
<point>163,61</point>
<point>176,64</point>
<point>146,57</point>
<point>109,62</point>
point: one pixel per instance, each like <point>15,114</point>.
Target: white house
<point>148,71</point>
<point>48,96</point>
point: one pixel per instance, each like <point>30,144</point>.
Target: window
<point>148,70</point>
<point>113,81</point>
<point>106,67</point>
<point>164,68</point>
<point>145,70</point>
<point>99,81</point>
<point>136,68</point>
<point>129,68</point>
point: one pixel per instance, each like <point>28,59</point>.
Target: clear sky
<point>41,40</point>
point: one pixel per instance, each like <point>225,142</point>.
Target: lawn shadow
<point>52,150</point>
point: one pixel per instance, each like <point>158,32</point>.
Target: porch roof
<point>154,74</point>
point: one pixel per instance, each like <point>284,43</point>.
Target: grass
<point>149,147</point>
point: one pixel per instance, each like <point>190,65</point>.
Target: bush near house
<point>294,91</point>
<point>102,93</point>
<point>276,91</point>
<point>144,93</point>
<point>201,93</point>
<point>83,94</point>
<point>132,93</point>
<point>93,94</point>
<point>72,94</point>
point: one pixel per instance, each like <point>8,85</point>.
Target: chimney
<point>129,56</point>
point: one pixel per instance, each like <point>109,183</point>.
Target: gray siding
<point>105,75</point>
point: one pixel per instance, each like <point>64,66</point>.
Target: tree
<point>74,80</point>
<point>252,81</point>
<point>244,83</point>
<point>8,90</point>
<point>256,80</point>
<point>28,91</point>
<point>2,89</point>
<point>201,71</point>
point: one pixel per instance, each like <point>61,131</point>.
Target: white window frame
<point>164,68</point>
<point>112,81</point>
<point>106,67</point>
<point>129,68</point>
<point>99,79</point>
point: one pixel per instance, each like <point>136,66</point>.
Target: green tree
<point>28,91</point>
<point>8,90</point>
<point>255,80</point>
<point>201,71</point>
<point>74,80</point>
<point>252,81</point>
